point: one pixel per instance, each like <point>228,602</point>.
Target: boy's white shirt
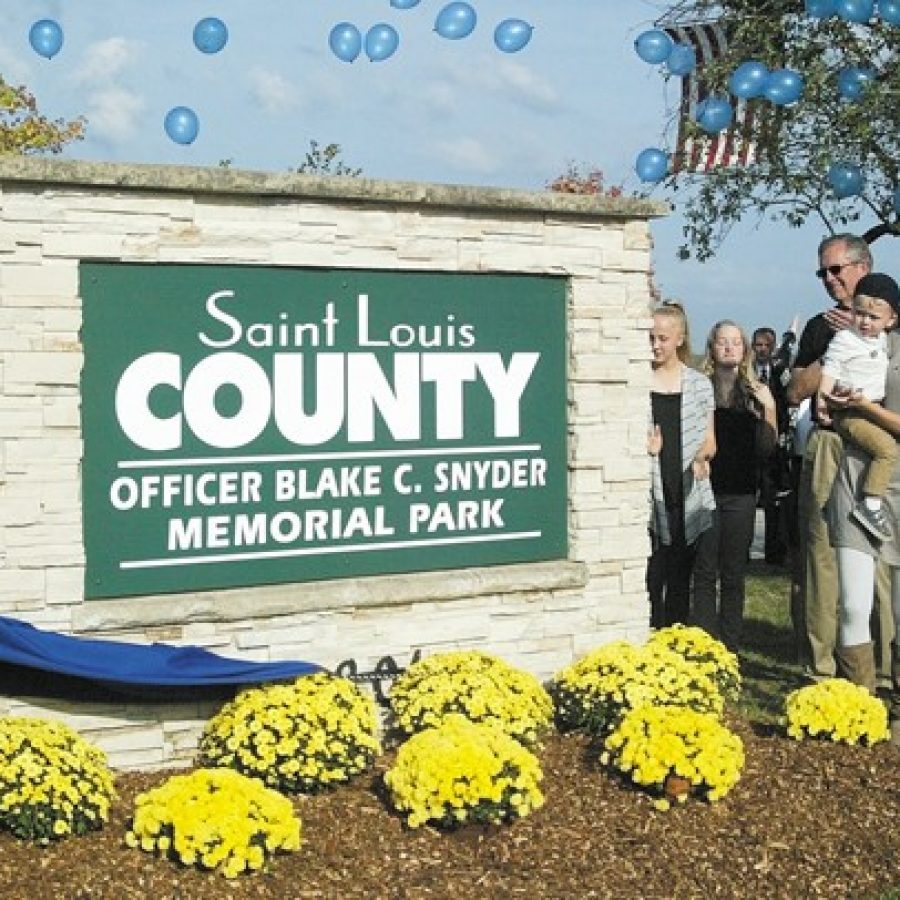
<point>858,361</point>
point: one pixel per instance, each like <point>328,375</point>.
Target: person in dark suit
<point>772,366</point>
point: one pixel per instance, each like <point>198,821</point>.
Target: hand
<point>844,397</point>
<point>654,441</point>
<point>839,318</point>
<point>700,468</point>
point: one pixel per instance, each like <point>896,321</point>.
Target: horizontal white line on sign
<point>320,457</point>
<point>167,562</point>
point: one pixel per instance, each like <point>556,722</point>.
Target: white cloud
<point>115,114</point>
<point>519,83</point>
<point>468,154</point>
<point>505,78</point>
<point>274,93</point>
<point>106,60</point>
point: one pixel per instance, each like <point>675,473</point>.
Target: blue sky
<point>438,110</point>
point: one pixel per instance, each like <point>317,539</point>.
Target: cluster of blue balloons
<point>753,79</point>
<point>858,11</point>
<point>181,123</point>
<point>657,47</point>
<point>381,41</point>
<point>454,22</point>
<point>749,80</point>
<point>46,38</point>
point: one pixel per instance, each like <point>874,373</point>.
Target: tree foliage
<point>326,160</point>
<point>23,130</point>
<point>797,144</point>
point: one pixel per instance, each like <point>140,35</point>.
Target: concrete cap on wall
<point>219,180</point>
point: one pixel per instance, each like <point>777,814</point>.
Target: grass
<point>769,658</point>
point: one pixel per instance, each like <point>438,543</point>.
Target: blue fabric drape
<point>118,662</point>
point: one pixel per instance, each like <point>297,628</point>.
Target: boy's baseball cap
<point>881,287</point>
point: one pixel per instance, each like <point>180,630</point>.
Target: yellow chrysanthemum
<point>464,771</point>
<point>597,690</point>
<point>317,731</point>
<point>657,747</point>
<point>701,648</point>
<point>836,710</point>
<point>215,818</point>
<point>53,783</point>
<point>477,685</point>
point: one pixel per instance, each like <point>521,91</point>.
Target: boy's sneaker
<point>875,521</point>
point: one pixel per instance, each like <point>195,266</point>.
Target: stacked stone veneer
<point>540,616</point>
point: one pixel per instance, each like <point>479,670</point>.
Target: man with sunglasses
<point>843,260</point>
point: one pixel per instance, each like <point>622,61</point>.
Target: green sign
<point>248,425</point>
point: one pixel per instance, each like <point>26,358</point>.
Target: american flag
<point>735,145</point>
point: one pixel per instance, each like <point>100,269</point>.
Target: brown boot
<point>857,664</point>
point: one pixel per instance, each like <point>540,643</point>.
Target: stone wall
<point>54,214</point>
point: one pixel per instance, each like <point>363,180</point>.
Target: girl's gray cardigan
<point>696,405</point>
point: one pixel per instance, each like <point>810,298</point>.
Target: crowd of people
<point>807,431</point>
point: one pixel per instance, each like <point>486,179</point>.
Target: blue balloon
<point>820,9</point>
<point>897,201</point>
<point>889,11</point>
<point>748,80</point>
<point>853,81</point>
<point>653,46</point>
<point>783,86</point>
<point>345,41</point>
<point>855,10</point>
<point>381,42</point>
<point>455,21</point>
<point>511,35</point>
<point>182,124</point>
<point>46,38</point>
<point>210,35</point>
<point>682,60</point>
<point>846,179</point>
<point>404,4</point>
<point>651,164</point>
<point>714,114</point>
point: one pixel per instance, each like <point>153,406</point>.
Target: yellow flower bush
<point>463,771</point>
<point>594,692</point>
<point>53,783</point>
<point>836,710</point>
<point>477,685</point>
<point>214,819</point>
<point>655,746</point>
<point>699,647</point>
<point>317,731</point>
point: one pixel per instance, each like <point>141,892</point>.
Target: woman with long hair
<point>746,431</point>
<point>681,444</point>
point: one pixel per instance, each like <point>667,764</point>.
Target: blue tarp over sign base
<point>118,662</point>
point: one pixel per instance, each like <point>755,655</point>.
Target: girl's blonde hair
<point>746,373</point>
<point>672,309</point>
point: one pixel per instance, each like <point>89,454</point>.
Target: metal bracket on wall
<point>386,669</point>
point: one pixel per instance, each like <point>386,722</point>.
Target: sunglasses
<point>834,270</point>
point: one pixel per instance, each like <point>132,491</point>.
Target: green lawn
<point>769,658</point>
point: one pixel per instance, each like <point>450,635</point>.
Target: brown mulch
<point>807,819</point>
